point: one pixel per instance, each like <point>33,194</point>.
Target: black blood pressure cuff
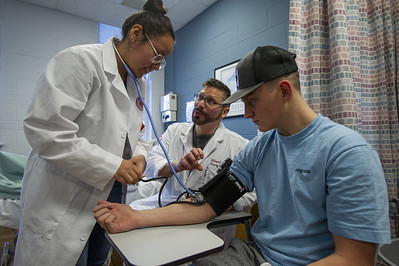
<point>222,190</point>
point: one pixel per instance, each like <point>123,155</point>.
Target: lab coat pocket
<point>209,172</point>
<point>48,198</point>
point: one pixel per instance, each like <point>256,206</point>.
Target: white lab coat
<point>178,141</point>
<point>76,124</point>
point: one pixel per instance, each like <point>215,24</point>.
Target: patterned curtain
<point>348,56</point>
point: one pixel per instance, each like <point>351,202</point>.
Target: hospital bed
<point>11,172</point>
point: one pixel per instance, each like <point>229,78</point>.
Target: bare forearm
<point>175,214</point>
<point>332,260</point>
<point>349,252</point>
<point>115,217</point>
<point>335,259</point>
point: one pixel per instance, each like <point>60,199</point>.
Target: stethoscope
<point>151,121</point>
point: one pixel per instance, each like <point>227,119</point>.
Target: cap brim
<point>240,93</point>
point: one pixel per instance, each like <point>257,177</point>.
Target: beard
<point>205,119</point>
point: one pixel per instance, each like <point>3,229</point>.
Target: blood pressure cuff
<point>222,191</point>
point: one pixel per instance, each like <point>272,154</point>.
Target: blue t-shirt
<point>325,179</point>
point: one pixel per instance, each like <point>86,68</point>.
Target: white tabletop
<point>172,244</point>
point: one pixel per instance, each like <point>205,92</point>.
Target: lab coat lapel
<point>215,141</point>
<point>111,67</point>
<point>186,139</point>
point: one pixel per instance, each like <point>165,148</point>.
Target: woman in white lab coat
<point>85,114</point>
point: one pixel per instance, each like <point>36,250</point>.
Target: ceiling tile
<point>112,12</point>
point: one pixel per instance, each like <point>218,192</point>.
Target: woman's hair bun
<point>152,19</point>
<point>155,6</point>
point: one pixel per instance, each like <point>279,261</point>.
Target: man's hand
<point>190,161</point>
<point>187,162</point>
<point>115,217</point>
<point>130,171</point>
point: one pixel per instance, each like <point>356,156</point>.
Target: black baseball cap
<point>263,64</point>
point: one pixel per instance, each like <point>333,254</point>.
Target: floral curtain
<point>348,54</point>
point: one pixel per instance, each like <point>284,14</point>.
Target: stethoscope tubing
<point>155,132</point>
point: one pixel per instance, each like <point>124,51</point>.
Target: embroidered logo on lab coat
<point>139,104</point>
<point>215,162</point>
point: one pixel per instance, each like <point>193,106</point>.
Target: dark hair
<point>293,78</point>
<point>218,85</point>
<point>152,19</point>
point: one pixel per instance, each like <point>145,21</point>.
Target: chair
<point>389,253</point>
<point>5,255</point>
<point>244,230</point>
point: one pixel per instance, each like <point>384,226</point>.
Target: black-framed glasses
<point>208,101</point>
<point>158,58</point>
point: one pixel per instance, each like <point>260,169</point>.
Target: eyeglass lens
<point>158,58</point>
<point>209,102</point>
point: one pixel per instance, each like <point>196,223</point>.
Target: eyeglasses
<point>208,102</point>
<point>158,58</point>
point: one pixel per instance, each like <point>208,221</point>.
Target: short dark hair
<point>218,85</point>
<point>293,78</point>
<point>152,19</point>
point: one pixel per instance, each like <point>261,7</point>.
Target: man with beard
<point>196,151</point>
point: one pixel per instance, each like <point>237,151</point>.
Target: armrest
<point>229,218</point>
<point>388,253</point>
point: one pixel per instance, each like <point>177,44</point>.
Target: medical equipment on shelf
<point>169,107</point>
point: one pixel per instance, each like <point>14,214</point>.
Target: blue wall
<point>223,33</point>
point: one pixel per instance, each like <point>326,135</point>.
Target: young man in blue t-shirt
<point>320,186</point>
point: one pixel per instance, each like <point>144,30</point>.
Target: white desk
<point>172,245</point>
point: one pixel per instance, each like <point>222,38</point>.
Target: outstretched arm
<point>115,217</point>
